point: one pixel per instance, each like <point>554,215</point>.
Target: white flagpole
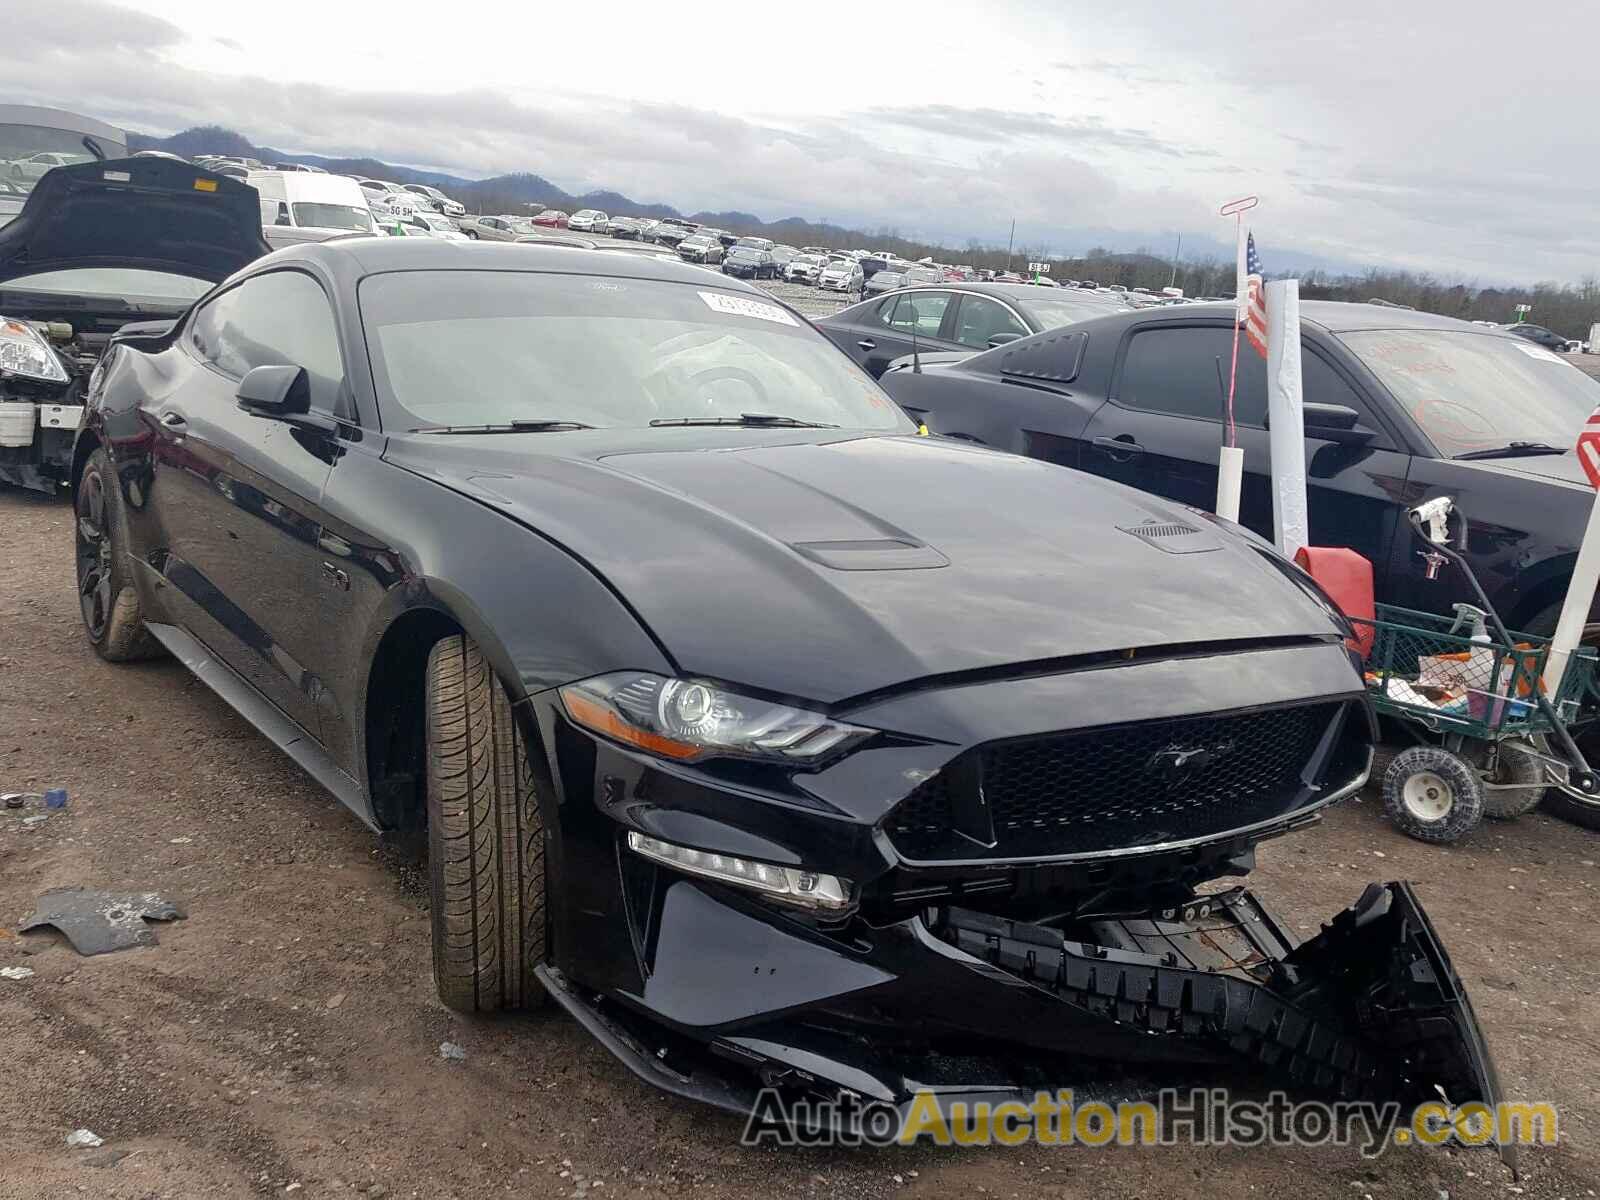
<point>1286,417</point>
<point>1230,461</point>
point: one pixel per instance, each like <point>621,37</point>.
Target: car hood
<point>1561,468</point>
<point>824,568</point>
<point>150,214</point>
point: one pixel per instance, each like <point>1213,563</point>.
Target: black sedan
<point>1400,406</point>
<point>952,321</point>
<point>1539,335</point>
<point>750,262</point>
<point>773,741</point>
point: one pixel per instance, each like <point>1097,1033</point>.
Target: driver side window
<point>281,317</point>
<point>980,318</point>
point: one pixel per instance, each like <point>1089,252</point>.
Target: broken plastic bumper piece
<point>1370,1008</point>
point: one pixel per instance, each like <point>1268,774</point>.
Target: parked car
<point>1539,335</point>
<point>626,228</point>
<point>782,256</point>
<point>504,228</point>
<point>749,262</point>
<point>1400,407</point>
<point>432,224</point>
<point>86,257</point>
<point>804,268</point>
<point>670,233</point>
<point>303,200</point>
<point>388,199</point>
<point>589,220</point>
<point>437,200</point>
<point>754,243</point>
<point>655,663</point>
<point>886,280</point>
<point>33,166</point>
<point>842,275</point>
<point>954,321</point>
<point>700,248</point>
<point>552,218</point>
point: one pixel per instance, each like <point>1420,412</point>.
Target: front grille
<point>1118,787</point>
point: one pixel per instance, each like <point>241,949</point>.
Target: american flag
<point>1255,313</point>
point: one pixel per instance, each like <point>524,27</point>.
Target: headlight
<point>687,719</point>
<point>23,351</point>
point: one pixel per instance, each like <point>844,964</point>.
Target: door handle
<point>174,420</point>
<point>867,344</point>
<point>1119,449</point>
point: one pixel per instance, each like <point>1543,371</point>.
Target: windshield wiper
<point>746,419</point>
<point>1514,450</point>
<point>507,427</point>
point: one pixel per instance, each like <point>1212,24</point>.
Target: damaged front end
<point>1001,938</point>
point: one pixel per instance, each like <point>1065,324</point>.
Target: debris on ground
<point>180,841</point>
<point>19,799</point>
<point>16,972</point>
<point>83,1139</point>
<point>104,1158</point>
<point>55,797</point>
<point>452,1051</point>
<point>36,818</point>
<point>98,922</point>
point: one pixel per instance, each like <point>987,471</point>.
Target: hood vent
<point>1174,537</point>
<point>872,554</point>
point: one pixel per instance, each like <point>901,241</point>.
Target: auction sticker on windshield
<point>1540,352</point>
<point>740,307</point>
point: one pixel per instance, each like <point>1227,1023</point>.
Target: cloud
<point>84,26</point>
<point>1395,136</point>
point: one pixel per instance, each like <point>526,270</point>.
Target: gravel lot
<point>286,1033</point>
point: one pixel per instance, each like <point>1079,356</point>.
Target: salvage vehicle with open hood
<point>97,246</point>
<point>778,744</point>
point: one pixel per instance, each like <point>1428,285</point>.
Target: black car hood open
<point>825,569</point>
<point>152,214</point>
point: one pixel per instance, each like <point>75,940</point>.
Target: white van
<point>303,200</point>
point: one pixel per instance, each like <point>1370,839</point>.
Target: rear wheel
<point>107,597</point>
<point>1514,764</point>
<point>485,839</point>
<point>1431,795</point>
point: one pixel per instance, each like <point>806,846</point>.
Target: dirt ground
<point>285,1037</point>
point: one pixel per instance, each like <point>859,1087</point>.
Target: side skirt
<point>265,716</point>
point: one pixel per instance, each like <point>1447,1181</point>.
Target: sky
<point>1449,136</point>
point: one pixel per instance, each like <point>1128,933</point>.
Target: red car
<point>552,217</point>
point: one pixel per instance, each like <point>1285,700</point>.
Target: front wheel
<point>1432,795</point>
<point>485,839</point>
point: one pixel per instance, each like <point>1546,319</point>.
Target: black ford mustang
<point>775,742</point>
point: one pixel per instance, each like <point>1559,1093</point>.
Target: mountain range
<point>521,190</point>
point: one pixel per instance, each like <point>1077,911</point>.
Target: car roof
<point>361,256</point>
<point>1334,316</point>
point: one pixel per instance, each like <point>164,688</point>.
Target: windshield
<point>1052,314</point>
<point>333,216</point>
<point>134,286</point>
<point>489,347</point>
<point>744,252</point>
<point>1474,391</point>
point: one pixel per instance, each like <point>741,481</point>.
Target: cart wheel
<point>1515,765</point>
<point>1431,795</point>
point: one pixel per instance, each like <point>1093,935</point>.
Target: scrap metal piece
<point>98,922</point>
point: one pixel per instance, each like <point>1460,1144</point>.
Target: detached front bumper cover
<point>1370,1008</point>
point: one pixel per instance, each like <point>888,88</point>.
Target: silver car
<point>504,228</point>
<point>841,275</point>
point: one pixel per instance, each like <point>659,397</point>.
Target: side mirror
<point>1000,339</point>
<point>1334,423</point>
<point>276,391</point>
